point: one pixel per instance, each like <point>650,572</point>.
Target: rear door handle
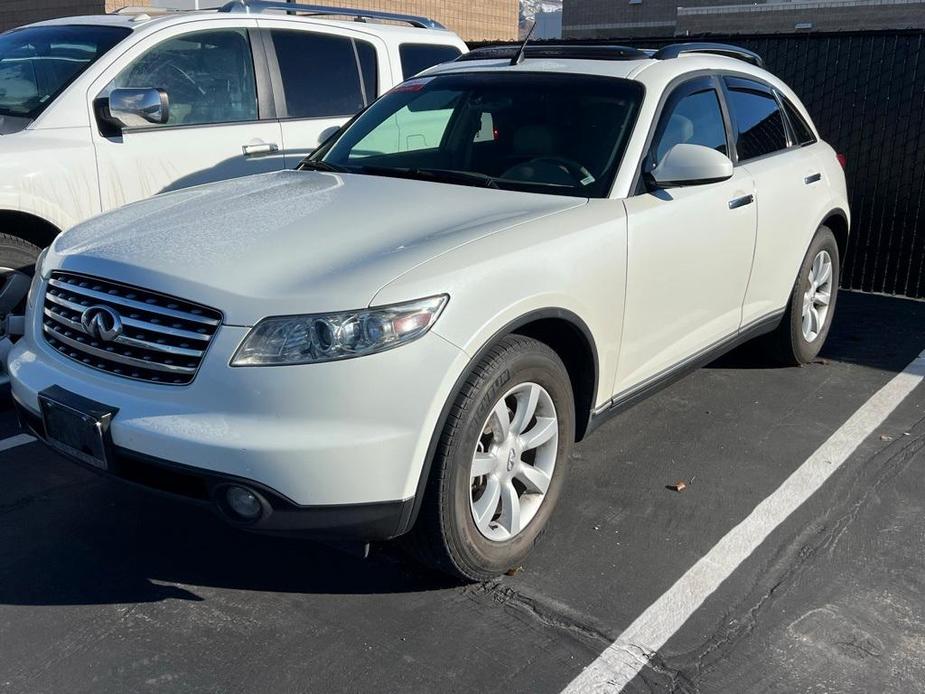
<point>736,203</point>
<point>260,148</point>
<point>812,178</point>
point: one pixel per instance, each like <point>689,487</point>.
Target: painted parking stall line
<point>14,441</point>
<point>634,648</point>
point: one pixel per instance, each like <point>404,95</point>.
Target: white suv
<point>410,332</point>
<point>100,111</point>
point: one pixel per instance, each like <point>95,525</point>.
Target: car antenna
<point>519,56</point>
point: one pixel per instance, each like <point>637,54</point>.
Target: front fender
<point>574,263</point>
<point>50,175</point>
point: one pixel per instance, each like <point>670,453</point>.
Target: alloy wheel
<point>513,462</point>
<point>818,296</point>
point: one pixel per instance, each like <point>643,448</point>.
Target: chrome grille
<point>162,339</point>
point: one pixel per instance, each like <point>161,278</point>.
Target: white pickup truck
<point>100,111</point>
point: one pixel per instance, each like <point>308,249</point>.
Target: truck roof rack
<point>359,15</point>
<point>676,49</point>
<point>578,52</point>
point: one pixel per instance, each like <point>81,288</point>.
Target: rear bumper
<point>362,522</point>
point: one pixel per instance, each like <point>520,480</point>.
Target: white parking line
<point>13,441</point>
<point>634,648</point>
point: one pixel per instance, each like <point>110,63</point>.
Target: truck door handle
<point>812,178</point>
<point>736,203</point>
<point>260,148</point>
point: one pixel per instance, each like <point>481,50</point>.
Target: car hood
<point>292,241</point>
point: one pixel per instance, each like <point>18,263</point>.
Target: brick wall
<point>813,16</point>
<point>652,18</point>
<point>601,19</point>
<point>14,13</point>
<point>473,20</point>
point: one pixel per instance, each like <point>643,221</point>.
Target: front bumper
<point>372,521</point>
<point>336,447</point>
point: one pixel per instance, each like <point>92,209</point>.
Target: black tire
<point>19,255</point>
<point>787,344</point>
<point>445,535</point>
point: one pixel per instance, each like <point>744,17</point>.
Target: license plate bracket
<point>77,426</point>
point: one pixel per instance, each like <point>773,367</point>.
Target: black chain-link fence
<point>866,94</point>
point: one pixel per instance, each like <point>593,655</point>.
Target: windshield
<point>550,133</point>
<point>37,63</point>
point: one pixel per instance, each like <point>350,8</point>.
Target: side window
<point>801,129</point>
<point>320,74</point>
<point>758,120</point>
<point>694,119</point>
<point>208,77</point>
<point>416,57</point>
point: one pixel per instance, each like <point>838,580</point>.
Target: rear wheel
<point>500,463</point>
<point>809,314</point>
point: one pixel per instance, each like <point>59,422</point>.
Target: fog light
<point>244,502</point>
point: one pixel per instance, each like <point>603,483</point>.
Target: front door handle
<point>812,178</point>
<point>260,148</point>
<point>736,203</point>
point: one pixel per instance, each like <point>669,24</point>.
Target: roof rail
<point>575,51</point>
<point>359,15</point>
<point>676,49</point>
<point>143,10</point>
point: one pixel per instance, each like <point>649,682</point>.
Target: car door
<point>782,160</point>
<point>689,249</point>
<point>216,128</point>
<point>322,79</point>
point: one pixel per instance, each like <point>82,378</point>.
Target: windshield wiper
<point>453,176</point>
<point>442,175</point>
<point>319,165</point>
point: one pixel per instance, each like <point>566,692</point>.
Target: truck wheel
<point>500,463</point>
<point>17,265</point>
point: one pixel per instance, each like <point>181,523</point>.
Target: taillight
<point>842,159</point>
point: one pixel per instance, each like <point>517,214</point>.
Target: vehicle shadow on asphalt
<point>870,330</point>
<point>89,540</point>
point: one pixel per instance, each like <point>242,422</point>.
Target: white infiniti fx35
<point>408,334</point>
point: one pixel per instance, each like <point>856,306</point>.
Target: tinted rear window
<point>801,129</point>
<point>758,120</point>
<point>416,57</point>
<point>319,73</point>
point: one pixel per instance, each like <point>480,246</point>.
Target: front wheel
<point>500,463</point>
<point>17,265</point>
<point>809,314</point>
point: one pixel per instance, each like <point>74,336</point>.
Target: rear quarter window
<point>801,129</point>
<point>416,57</point>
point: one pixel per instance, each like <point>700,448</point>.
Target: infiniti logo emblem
<point>102,323</point>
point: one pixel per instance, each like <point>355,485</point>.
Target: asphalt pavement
<point>107,588</point>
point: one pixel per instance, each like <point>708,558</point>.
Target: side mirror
<point>137,108</point>
<point>688,165</point>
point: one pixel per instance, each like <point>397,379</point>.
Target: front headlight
<point>330,336</point>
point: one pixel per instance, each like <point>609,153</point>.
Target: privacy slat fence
<point>866,93</point>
